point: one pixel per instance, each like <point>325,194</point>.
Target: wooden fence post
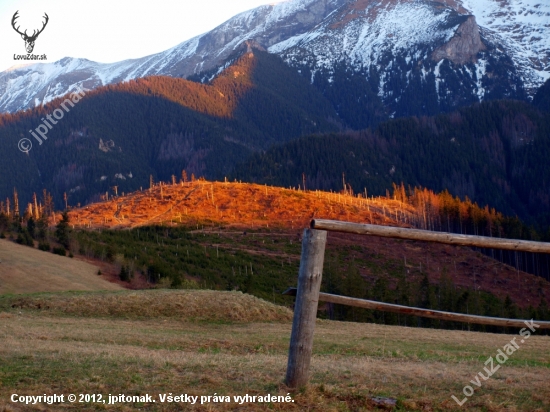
<point>305,309</point>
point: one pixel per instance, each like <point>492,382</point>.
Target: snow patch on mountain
<point>320,34</point>
<point>481,70</point>
<point>36,84</point>
<point>362,40</point>
<point>368,40</point>
<point>522,27</point>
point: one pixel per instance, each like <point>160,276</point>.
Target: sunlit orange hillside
<point>238,204</point>
<point>288,211</point>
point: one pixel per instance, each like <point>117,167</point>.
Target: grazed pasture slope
<point>284,212</point>
<point>197,305</point>
<point>27,270</point>
<point>117,343</point>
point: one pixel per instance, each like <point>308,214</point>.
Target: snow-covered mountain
<point>450,51</point>
<point>35,84</point>
<point>420,52</point>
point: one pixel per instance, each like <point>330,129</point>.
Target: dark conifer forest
<point>262,121</point>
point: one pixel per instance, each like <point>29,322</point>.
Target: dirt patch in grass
<point>198,305</point>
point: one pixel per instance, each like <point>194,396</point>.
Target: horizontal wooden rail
<point>425,313</point>
<point>428,236</point>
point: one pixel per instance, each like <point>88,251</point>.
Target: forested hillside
<point>542,98</point>
<point>121,135</point>
<point>233,236</point>
<point>494,153</point>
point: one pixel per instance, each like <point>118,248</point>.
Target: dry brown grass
<point>239,204</point>
<point>27,270</point>
<point>352,363</point>
<point>203,305</point>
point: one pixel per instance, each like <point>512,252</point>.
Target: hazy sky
<point>110,30</point>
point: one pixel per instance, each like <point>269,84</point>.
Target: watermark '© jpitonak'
<point>501,358</point>
<point>25,145</point>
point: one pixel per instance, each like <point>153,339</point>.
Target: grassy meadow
<point>229,343</point>
<point>20,265</point>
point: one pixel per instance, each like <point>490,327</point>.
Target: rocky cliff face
<point>266,25</point>
<point>416,57</point>
<point>464,46</point>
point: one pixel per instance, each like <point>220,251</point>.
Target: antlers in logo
<point>29,40</point>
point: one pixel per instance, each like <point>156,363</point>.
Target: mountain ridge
<point>493,153</point>
<point>119,135</point>
<point>160,126</point>
<point>281,28</point>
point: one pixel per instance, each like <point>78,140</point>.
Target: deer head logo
<point>29,40</point>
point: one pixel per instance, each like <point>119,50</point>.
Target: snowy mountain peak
<point>491,48</point>
<point>522,28</point>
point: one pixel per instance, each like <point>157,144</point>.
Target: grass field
<point>204,343</point>
<point>27,270</point>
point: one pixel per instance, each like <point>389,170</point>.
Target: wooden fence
<point>310,276</point>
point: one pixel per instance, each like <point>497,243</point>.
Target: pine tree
<point>124,274</point>
<point>31,227</point>
<point>41,227</point>
<point>62,230</point>
<point>510,310</point>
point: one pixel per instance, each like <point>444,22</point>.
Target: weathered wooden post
<point>305,309</point>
